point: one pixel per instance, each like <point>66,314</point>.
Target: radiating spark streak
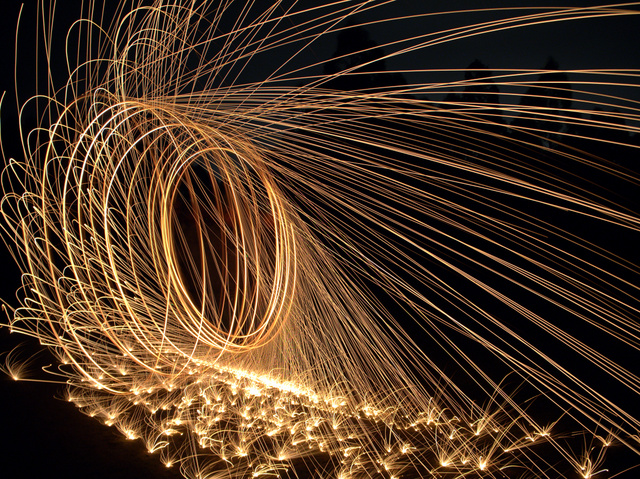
<point>227,269</point>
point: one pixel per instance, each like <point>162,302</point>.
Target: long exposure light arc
<point>273,278</point>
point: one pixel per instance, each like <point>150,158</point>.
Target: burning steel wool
<point>299,277</point>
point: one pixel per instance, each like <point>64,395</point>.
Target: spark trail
<point>273,278</point>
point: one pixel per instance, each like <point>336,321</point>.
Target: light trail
<point>274,278</point>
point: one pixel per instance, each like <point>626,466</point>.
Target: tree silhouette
<point>361,56</point>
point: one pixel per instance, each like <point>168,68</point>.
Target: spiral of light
<point>227,270</point>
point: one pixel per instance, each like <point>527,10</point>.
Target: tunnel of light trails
<point>277,278</point>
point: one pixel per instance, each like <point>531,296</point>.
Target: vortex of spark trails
<point>205,260</point>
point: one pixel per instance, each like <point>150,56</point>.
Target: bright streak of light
<point>207,257</point>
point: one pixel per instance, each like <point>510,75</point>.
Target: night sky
<point>43,435</point>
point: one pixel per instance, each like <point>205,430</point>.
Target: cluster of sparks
<point>239,424</point>
<point>205,261</point>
